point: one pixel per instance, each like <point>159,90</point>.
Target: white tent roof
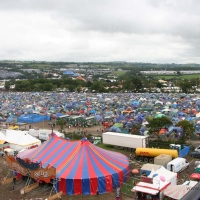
<point>21,138</point>
<point>2,136</point>
<point>169,176</point>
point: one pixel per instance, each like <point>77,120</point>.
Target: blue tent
<point>115,129</point>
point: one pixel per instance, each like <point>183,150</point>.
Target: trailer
<point>44,134</point>
<point>127,142</point>
<point>148,154</point>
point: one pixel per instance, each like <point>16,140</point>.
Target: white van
<point>44,134</point>
<point>177,165</point>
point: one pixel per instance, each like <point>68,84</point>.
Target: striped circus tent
<point>81,167</point>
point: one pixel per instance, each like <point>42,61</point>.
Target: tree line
<point>128,82</point>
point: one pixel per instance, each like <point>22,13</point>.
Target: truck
<point>148,154</point>
<point>177,165</point>
<point>127,142</point>
<point>44,134</point>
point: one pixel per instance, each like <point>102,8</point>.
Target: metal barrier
<point>126,187</point>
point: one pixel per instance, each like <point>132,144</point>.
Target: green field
<point>40,66</point>
<point>119,73</point>
<point>189,76</point>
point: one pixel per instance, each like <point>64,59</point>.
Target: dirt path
<point>95,130</point>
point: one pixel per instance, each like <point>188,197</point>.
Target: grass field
<point>119,73</point>
<point>40,66</point>
<point>186,76</point>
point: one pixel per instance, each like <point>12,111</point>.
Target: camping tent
<point>169,176</point>
<point>148,168</point>
<point>21,139</point>
<point>81,167</point>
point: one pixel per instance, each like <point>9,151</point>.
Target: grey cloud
<point>134,30</point>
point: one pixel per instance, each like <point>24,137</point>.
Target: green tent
<point>118,125</point>
<point>159,115</point>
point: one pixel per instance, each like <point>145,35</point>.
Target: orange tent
<point>162,131</point>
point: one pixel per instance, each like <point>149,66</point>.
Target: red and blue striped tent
<point>81,167</point>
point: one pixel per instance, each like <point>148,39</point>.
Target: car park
<point>195,154</point>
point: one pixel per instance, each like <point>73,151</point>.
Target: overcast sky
<point>156,31</point>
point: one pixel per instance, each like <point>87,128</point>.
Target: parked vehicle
<point>148,154</point>
<point>126,141</point>
<point>95,140</point>
<point>197,149</point>
<point>195,154</point>
<point>44,134</point>
<point>177,165</point>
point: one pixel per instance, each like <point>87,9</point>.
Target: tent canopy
<point>193,194</point>
<point>81,166</point>
<point>21,138</point>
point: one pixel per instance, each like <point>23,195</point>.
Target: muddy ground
<point>43,192</point>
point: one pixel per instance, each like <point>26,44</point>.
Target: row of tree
<point>123,83</point>
<point>155,124</point>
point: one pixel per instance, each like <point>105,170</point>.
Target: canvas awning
<point>145,190</point>
<point>177,191</point>
<point>149,188</point>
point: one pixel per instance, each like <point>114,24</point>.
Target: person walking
<point>14,180</point>
<point>118,192</point>
<point>14,183</point>
<point>97,192</point>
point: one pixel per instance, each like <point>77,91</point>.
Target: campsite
<point>86,117</point>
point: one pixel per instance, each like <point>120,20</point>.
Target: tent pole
<point>54,187</point>
<point>28,182</point>
<point>8,173</point>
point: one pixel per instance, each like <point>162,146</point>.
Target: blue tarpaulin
<point>33,118</point>
<point>184,152</point>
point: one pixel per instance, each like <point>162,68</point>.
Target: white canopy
<point>2,136</point>
<point>20,139</point>
<point>169,176</point>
